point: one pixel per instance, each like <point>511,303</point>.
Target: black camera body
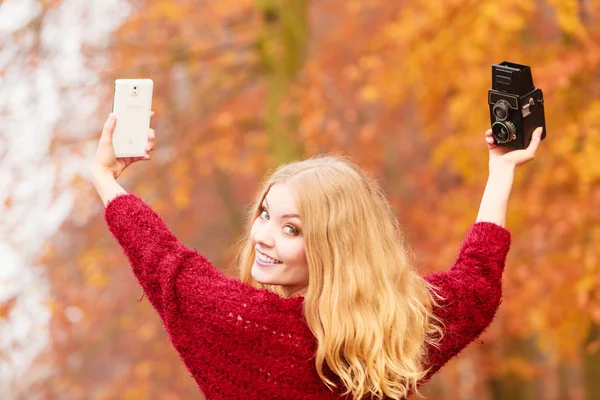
<point>516,106</point>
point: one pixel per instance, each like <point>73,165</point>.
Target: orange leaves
<point>8,202</point>
<point>6,307</point>
<point>402,88</point>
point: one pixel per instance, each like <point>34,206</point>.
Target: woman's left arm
<point>472,288</point>
<point>503,165</point>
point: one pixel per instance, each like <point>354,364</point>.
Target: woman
<point>327,305</point>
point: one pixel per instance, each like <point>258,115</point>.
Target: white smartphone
<point>132,102</point>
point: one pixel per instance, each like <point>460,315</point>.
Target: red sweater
<point>239,342</point>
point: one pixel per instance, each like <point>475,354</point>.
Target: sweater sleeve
<point>159,259</point>
<point>215,321</point>
<point>471,291</point>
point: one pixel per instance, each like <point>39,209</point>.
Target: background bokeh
<point>242,86</point>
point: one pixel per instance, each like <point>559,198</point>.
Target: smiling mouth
<point>266,260</point>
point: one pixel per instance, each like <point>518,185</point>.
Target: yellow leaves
<point>519,366</point>
<point>168,9</point>
<point>91,261</point>
<point>587,287</point>
<point>369,93</point>
<point>578,145</point>
<point>416,76</point>
<point>98,279</point>
<point>568,17</point>
<point>587,162</point>
<point>182,183</point>
<point>181,196</point>
<point>51,305</point>
<point>506,16</point>
<point>563,339</point>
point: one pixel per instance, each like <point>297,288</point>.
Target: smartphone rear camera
<point>134,90</point>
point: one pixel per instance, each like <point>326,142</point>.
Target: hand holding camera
<point>516,114</point>
<point>504,157</point>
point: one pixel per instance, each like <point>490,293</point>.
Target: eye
<point>264,211</point>
<point>293,231</point>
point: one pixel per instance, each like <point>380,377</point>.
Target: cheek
<point>293,252</point>
<point>252,232</point>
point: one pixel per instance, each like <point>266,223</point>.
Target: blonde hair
<point>369,310</point>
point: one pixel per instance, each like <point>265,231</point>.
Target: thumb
<point>108,129</point>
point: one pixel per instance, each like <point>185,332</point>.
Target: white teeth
<point>270,260</point>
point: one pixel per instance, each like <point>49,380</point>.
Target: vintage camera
<point>516,106</point>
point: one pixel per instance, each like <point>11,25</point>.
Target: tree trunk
<point>282,47</point>
<point>511,386</point>
<point>591,366</point>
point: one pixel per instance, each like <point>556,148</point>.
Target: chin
<point>258,279</point>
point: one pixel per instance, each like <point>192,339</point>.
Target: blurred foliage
<point>242,85</point>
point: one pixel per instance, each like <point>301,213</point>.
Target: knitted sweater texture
<point>239,342</point>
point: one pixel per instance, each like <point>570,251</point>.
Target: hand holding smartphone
<point>132,102</point>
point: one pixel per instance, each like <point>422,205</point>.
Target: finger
<point>108,128</point>
<point>151,134</point>
<point>488,133</point>
<point>141,158</point>
<point>150,147</point>
<point>535,140</point>
<point>536,137</point>
<point>151,114</point>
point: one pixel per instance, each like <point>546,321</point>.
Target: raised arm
<point>503,165</point>
<point>155,254</point>
<point>105,183</point>
<point>196,301</point>
<point>472,288</point>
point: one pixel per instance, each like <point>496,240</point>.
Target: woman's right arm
<point>106,167</point>
<point>105,183</point>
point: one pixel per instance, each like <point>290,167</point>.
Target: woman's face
<point>277,234</point>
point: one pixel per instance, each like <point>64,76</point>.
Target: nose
<point>262,234</point>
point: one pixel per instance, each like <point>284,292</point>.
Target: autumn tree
<point>242,86</point>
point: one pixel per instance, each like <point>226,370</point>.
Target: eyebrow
<point>284,215</point>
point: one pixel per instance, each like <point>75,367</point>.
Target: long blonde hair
<point>369,310</point>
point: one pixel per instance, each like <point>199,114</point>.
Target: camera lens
<point>504,131</point>
<point>501,110</point>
